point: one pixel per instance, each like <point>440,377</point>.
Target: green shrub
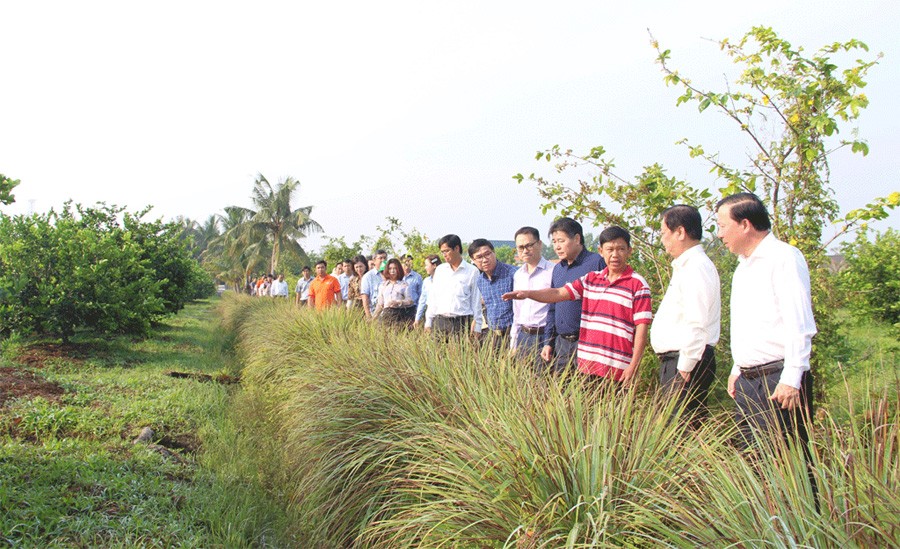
<point>93,268</point>
<point>871,277</point>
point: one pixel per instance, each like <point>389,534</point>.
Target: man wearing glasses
<point>529,331</point>
<point>496,279</point>
<point>564,318</point>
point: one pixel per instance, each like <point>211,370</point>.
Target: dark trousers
<point>760,419</point>
<point>451,326</point>
<point>398,316</point>
<point>498,338</point>
<point>565,351</point>
<point>693,393</point>
<point>528,349</point>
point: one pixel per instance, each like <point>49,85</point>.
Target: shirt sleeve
<point>701,289</point>
<point>423,300</point>
<point>642,308</point>
<point>429,311</point>
<point>575,288</point>
<point>794,300</point>
<point>475,302</point>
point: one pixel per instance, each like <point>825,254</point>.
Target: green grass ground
<point>70,474</point>
<point>212,476</point>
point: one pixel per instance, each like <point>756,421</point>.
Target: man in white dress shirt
<point>279,287</point>
<point>772,323</point>
<point>686,326</point>
<point>529,331</point>
<point>454,301</point>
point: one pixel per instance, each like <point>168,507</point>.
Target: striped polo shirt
<point>609,314</point>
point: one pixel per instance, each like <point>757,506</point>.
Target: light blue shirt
<point>414,281</point>
<point>423,299</point>
<point>344,281</point>
<point>369,286</point>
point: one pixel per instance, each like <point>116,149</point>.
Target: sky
<point>420,110</point>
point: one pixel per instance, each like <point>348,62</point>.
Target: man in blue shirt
<point>564,318</point>
<point>412,279</point>
<point>495,279</point>
<point>371,282</point>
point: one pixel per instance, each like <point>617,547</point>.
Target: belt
<point>569,337</point>
<point>753,372</point>
<point>669,355</point>
<point>532,330</point>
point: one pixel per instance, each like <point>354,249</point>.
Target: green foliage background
<point>98,268</point>
<point>871,277</point>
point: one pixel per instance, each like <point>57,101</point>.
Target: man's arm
<point>475,304</point>
<point>338,294</point>
<point>544,295</point>
<point>640,343</point>
<point>795,304</point>
<point>702,294</point>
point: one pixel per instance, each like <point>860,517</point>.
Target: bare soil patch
<point>35,356</point>
<point>17,383</point>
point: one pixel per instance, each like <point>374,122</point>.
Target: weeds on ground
<point>71,475</point>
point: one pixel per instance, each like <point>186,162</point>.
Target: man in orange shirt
<point>324,290</point>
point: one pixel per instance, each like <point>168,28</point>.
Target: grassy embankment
<point>344,434</point>
<point>392,440</point>
<point>70,474</point>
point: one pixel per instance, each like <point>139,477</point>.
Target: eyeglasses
<point>481,256</point>
<point>527,247</point>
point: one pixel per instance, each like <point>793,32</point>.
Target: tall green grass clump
<point>394,439</point>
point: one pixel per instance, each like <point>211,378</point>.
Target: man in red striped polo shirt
<point>615,311</point>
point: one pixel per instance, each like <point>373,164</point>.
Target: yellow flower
<point>794,118</point>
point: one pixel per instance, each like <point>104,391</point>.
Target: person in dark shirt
<point>564,318</point>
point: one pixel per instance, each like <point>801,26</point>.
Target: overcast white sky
<point>418,110</point>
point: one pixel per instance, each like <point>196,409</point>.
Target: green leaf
<point>704,104</point>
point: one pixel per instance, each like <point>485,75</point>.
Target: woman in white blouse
<point>395,304</point>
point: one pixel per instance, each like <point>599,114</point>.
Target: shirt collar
<point>500,271</point>
<point>763,249</point>
<point>579,259</point>
<point>686,255</point>
<point>625,275</point>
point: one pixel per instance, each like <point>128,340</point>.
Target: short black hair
<point>747,206</point>
<point>568,226</point>
<point>452,241</point>
<point>305,268</point>
<point>321,262</point>
<point>529,231</point>
<point>347,261</point>
<point>478,243</point>
<point>614,232</point>
<point>682,215</point>
<point>380,252</point>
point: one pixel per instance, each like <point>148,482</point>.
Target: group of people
<point>592,311</point>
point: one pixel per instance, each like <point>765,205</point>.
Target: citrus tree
<point>794,110</point>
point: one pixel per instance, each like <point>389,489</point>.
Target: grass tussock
<point>397,440</point>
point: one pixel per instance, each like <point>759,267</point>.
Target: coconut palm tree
<point>238,251</point>
<point>280,225</point>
